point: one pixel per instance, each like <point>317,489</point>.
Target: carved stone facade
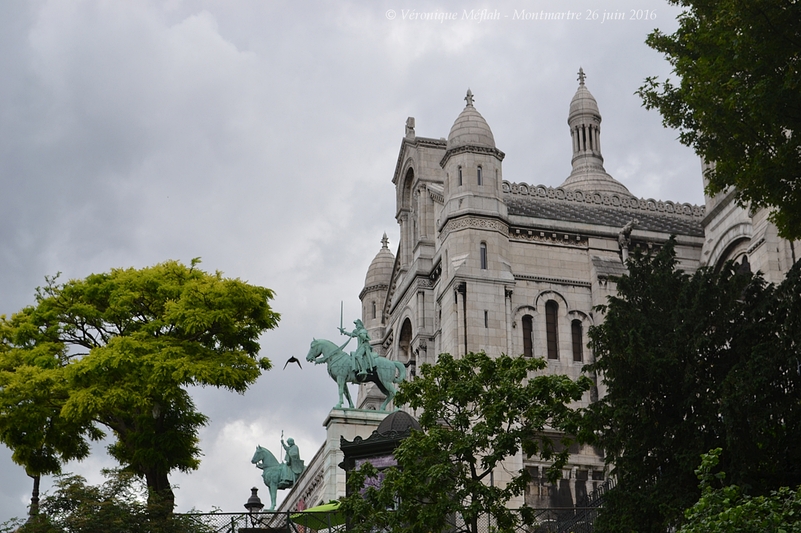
<point>504,267</point>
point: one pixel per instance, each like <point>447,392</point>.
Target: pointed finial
<point>581,76</point>
<point>469,98</point>
<point>385,241</point>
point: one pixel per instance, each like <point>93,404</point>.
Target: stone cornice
<point>560,281</point>
<point>726,199</point>
<point>548,237</point>
<point>629,203</point>
<point>376,287</point>
<point>473,222</point>
<point>472,149</point>
<point>436,196</point>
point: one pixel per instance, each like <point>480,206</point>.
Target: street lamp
<point>254,505</point>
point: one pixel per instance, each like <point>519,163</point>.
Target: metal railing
<point>551,520</point>
<point>272,522</point>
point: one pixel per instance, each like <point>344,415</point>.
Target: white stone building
<point>490,264</point>
<point>506,267</point>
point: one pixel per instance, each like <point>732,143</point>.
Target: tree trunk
<point>160,497</point>
<point>34,510</point>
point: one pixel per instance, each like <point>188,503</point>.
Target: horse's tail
<point>401,372</point>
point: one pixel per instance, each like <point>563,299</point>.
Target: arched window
<point>405,342</point>
<point>479,177</point>
<point>552,328</point>
<point>373,310</point>
<point>460,176</point>
<point>483,255</point>
<point>528,346</point>
<point>576,330</point>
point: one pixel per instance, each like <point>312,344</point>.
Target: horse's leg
<point>390,395</point>
<point>273,493</point>
<point>386,377</point>
<point>343,389</point>
<point>347,395</point>
<point>341,386</point>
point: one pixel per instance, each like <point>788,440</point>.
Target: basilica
<point>494,265</point>
<point>500,266</point>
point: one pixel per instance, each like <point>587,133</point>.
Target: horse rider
<point>363,356</point>
<point>293,462</point>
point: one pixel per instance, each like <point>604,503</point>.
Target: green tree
<point>30,401</point>
<point>476,412</point>
<point>727,509</point>
<point>118,505</point>
<point>738,101</point>
<point>691,363</point>
<point>118,351</point>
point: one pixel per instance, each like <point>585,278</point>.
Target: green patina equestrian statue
<point>279,475</point>
<point>361,366</point>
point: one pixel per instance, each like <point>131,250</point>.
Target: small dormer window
<point>460,176</point>
<point>479,177</point>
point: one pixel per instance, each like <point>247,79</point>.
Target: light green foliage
<point>691,363</point>
<point>118,350</point>
<point>476,412</point>
<point>737,101</point>
<point>117,506</point>
<point>726,509</point>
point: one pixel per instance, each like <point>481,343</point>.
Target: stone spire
<point>584,120</point>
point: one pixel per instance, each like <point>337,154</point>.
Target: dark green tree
<point>476,412</point>
<point>118,351</point>
<point>692,362</point>
<point>738,98</point>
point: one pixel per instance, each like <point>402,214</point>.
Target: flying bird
<point>292,359</point>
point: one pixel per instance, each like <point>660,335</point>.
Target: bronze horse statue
<point>340,367</point>
<point>271,471</point>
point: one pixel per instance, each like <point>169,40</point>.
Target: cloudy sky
<point>262,135</point>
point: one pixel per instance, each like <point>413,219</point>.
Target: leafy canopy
<point>738,101</point>
<point>118,351</point>
<point>726,509</point>
<point>692,363</point>
<point>477,413</point>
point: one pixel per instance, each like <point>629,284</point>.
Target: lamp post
<point>254,505</point>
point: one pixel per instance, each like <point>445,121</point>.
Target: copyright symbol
<point>391,14</point>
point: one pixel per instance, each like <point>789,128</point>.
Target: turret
<point>588,172</point>
<point>376,285</point>
<point>472,167</point>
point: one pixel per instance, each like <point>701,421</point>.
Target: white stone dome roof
<point>583,103</point>
<point>380,271</point>
<point>470,128</point>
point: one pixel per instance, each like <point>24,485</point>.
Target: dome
<point>399,422</point>
<point>380,270</point>
<point>583,103</point>
<point>470,128</point>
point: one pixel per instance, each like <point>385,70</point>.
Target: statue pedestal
<point>348,423</point>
